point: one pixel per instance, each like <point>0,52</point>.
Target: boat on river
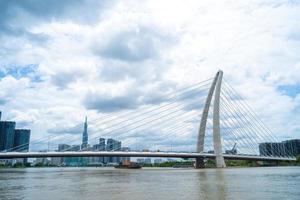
<point>128,165</point>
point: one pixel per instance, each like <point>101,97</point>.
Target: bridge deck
<point>9,155</point>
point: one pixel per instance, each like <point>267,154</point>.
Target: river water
<point>149,183</point>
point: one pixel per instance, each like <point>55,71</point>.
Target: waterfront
<point>149,183</point>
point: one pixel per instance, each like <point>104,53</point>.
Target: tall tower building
<point>7,134</point>
<point>85,135</point>
<point>113,145</point>
<point>21,140</point>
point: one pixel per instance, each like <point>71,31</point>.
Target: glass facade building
<point>292,147</point>
<point>280,149</point>
<point>99,147</point>
<point>21,140</point>
<point>7,133</point>
<point>113,145</point>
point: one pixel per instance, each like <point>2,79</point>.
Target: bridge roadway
<point>10,155</point>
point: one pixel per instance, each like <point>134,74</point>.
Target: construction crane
<point>232,151</point>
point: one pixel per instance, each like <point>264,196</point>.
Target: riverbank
<point>210,163</point>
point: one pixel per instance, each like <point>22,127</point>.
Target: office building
<point>74,148</point>
<point>271,149</point>
<point>71,161</point>
<point>63,147</point>
<point>99,147</point>
<point>12,139</point>
<point>60,160</point>
<point>113,145</point>
<point>21,140</point>
<point>7,133</point>
<point>285,148</point>
<point>292,147</point>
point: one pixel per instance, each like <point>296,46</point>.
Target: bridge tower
<point>214,91</point>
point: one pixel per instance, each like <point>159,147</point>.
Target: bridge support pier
<point>199,163</point>
<point>220,163</point>
<point>215,90</point>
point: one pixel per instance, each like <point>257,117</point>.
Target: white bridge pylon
<point>214,91</point>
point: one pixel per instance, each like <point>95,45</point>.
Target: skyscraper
<point>292,147</point>
<point>99,147</point>
<point>12,139</point>
<point>21,139</point>
<point>7,133</point>
<point>63,147</point>
<point>84,135</point>
<point>271,149</point>
<point>113,145</point>
<point>285,148</point>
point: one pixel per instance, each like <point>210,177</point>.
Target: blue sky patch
<point>290,90</point>
<point>20,71</point>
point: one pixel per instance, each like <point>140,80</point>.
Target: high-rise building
<point>113,145</point>
<point>12,139</point>
<point>271,149</point>
<point>21,140</point>
<point>7,133</point>
<point>63,147</point>
<point>85,135</point>
<point>99,147</point>
<point>285,148</point>
<point>71,161</point>
<point>292,147</point>
<point>61,161</point>
<point>74,148</point>
<point>102,145</point>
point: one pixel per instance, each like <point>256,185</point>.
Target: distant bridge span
<point>10,155</point>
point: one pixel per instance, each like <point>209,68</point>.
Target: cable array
<point>174,123</point>
<point>176,108</point>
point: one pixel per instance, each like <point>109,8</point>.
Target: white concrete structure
<point>215,91</point>
<point>216,124</point>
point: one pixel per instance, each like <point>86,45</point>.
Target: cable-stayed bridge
<point>206,120</point>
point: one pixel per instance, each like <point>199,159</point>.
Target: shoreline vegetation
<point>210,163</point>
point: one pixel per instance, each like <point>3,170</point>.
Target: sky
<point>63,60</point>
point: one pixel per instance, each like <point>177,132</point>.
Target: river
<point>149,183</point>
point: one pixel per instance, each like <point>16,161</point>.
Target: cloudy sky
<point>63,60</point>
